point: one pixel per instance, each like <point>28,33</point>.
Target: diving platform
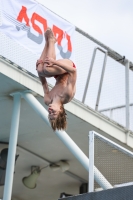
<point>88,118</point>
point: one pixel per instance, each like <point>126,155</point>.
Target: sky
<point>110,22</point>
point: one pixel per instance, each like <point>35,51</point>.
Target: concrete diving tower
<point>26,89</point>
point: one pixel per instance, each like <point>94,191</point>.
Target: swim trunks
<point>56,76</point>
<point>39,61</point>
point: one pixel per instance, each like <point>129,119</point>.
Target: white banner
<point>26,21</point>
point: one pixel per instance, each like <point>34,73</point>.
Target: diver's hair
<point>60,122</point>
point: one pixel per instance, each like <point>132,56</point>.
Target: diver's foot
<point>49,36</point>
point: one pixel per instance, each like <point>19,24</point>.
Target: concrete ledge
<point>20,76</point>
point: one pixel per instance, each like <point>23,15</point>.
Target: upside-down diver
<point>65,73</point>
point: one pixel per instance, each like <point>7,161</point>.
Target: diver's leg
<point>51,40</point>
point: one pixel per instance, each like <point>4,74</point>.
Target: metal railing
<point>127,67</point>
<point>111,110</point>
<point>113,149</point>
<point>89,76</point>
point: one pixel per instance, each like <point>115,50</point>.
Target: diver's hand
<point>50,62</point>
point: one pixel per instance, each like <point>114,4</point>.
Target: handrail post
<point>91,162</point>
<point>89,75</point>
<point>127,65</point>
<point>101,81</point>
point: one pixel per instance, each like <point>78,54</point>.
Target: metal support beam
<point>101,81</point>
<point>12,147</point>
<point>127,94</point>
<point>91,162</point>
<point>70,144</point>
<point>89,75</point>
